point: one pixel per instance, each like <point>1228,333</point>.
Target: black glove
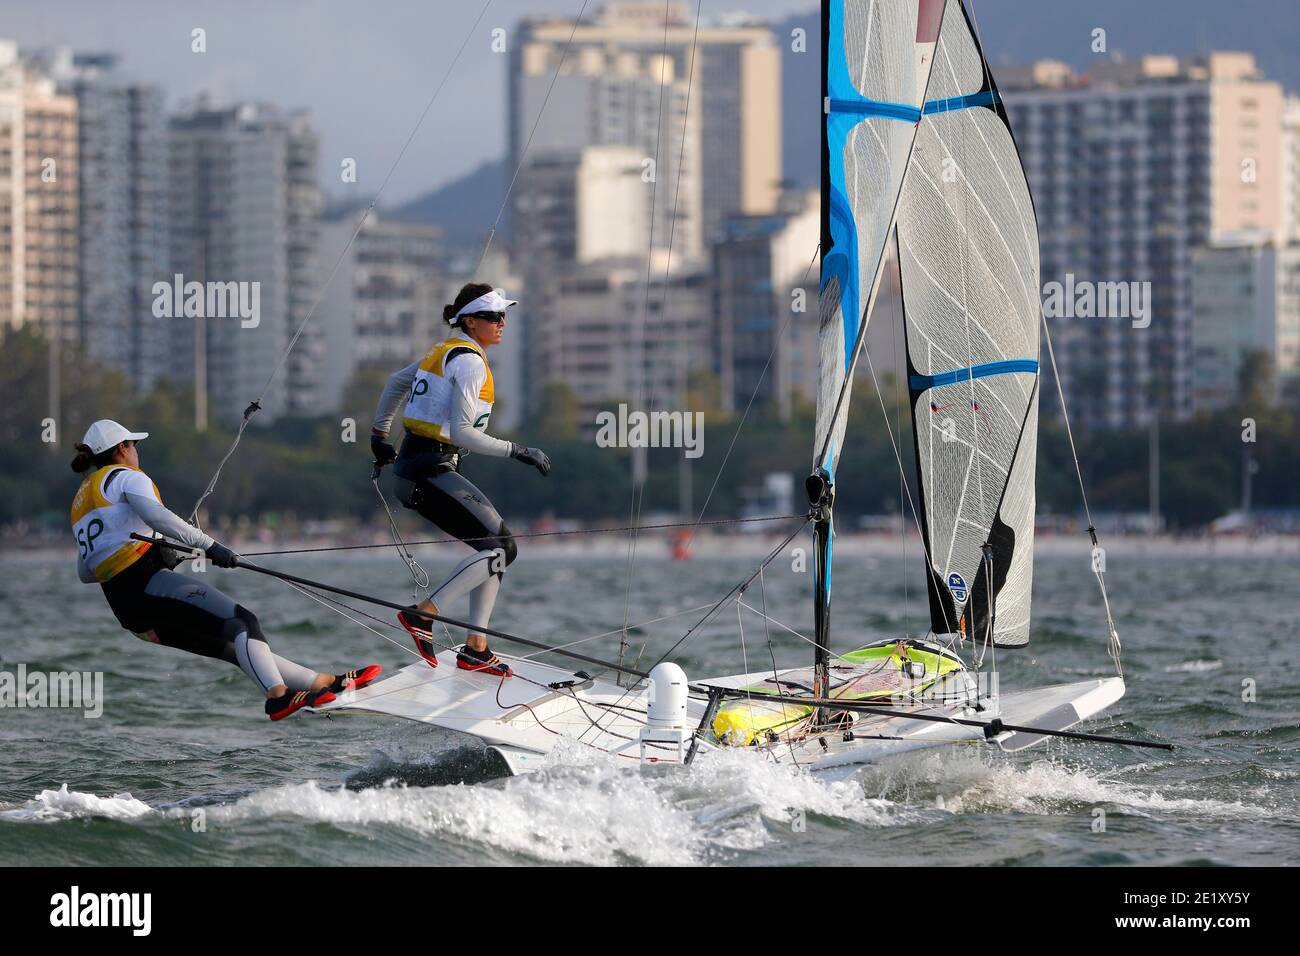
<point>532,456</point>
<point>221,556</point>
<point>383,451</point>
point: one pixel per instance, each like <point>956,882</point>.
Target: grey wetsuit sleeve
<point>395,392</point>
<point>468,375</point>
<point>153,513</point>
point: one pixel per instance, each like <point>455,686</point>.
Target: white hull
<point>523,719</point>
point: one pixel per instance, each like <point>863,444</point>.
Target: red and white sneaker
<point>418,628</point>
<point>278,708</point>
<point>355,680</point>
<point>484,661</point>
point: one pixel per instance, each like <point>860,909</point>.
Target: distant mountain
<point>1021,31</point>
<point>464,207</point>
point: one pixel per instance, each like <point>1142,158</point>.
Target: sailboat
<point>917,154</point>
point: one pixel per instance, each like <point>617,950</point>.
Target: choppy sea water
<point>180,734</point>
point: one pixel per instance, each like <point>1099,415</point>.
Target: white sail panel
<point>968,261</point>
<point>877,59</point>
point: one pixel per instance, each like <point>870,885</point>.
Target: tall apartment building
<point>384,307</point>
<point>611,342</point>
<point>583,206</point>
<point>1246,291</point>
<point>613,98</point>
<point>766,351</point>
<point>1290,231</point>
<point>39,212</point>
<point>122,142</point>
<point>1131,168</point>
<point>608,93</point>
<point>244,207</point>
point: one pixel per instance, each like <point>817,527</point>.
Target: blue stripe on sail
<point>861,106</point>
<point>982,98</point>
<point>920,383</point>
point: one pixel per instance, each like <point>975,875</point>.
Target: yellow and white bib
<point>428,411</point>
<point>104,522</point>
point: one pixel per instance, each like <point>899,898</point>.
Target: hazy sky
<point>364,68</point>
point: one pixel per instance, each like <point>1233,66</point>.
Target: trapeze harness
<point>154,602</point>
<point>450,401</point>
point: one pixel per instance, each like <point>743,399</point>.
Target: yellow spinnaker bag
<point>742,722</point>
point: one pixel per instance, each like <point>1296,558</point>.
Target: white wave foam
<point>1046,785</point>
<point>585,809</point>
<point>65,804</point>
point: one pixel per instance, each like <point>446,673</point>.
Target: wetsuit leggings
<point>452,502</point>
<point>179,612</point>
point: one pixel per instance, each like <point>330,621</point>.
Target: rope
<point>1113,642</point>
<point>418,575</point>
<point>256,405</point>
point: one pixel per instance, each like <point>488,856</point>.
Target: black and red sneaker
<point>278,708</point>
<point>484,662</point>
<point>355,680</point>
<point>418,628</point>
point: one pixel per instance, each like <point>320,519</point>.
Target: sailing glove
<point>383,450</point>
<point>532,456</point>
<point>221,556</point>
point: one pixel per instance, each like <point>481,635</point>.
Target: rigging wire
<point>521,534</point>
<point>736,591</point>
<point>750,404</point>
<point>529,142</point>
<point>643,399</point>
<point>898,458</point>
<point>256,405</point>
<point>1113,643</point>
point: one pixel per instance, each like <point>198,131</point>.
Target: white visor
<point>106,433</point>
<point>494,301</point>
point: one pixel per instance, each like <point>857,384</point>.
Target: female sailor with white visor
<point>448,398</point>
<point>117,500</point>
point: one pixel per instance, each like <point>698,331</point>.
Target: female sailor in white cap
<point>449,395</point>
<point>117,500</point>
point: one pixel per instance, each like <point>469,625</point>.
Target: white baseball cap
<point>494,301</point>
<point>106,433</point>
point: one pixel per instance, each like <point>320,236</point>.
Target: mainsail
<point>877,56</point>
<point>968,262</point>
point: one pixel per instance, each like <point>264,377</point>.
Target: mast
<point>876,63</point>
<point>821,496</point>
<point>819,486</point>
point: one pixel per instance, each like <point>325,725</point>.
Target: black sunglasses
<point>497,317</point>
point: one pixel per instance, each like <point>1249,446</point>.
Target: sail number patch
<point>957,585</point>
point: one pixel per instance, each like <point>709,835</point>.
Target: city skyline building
<point>1247,302</point>
<point>608,92</point>
<point>384,307</point>
<point>766,340</point>
<point>122,134</point>
<point>1132,167</point>
<point>245,207</point>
